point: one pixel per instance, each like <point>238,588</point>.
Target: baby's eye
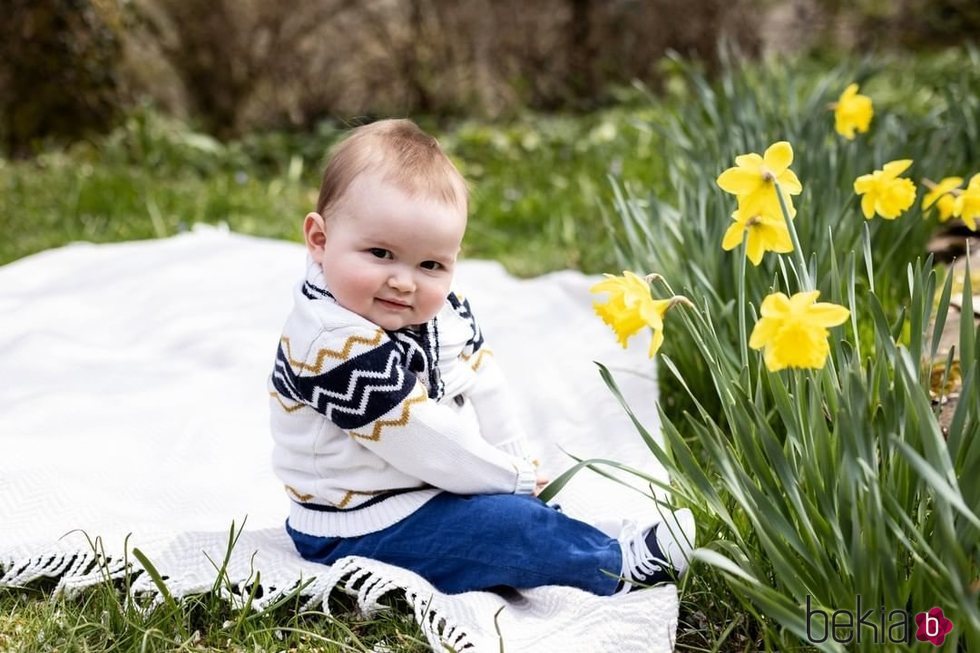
<point>431,265</point>
<point>380,253</point>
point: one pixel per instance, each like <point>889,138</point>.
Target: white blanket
<point>134,403</point>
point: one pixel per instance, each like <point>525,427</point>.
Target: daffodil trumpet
<point>793,331</point>
<point>852,112</point>
<point>942,196</point>
<point>631,307</point>
<point>884,192</point>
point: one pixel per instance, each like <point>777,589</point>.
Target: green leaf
<point>942,311</point>
<point>935,480</point>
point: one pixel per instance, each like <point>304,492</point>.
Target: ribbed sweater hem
<point>358,521</point>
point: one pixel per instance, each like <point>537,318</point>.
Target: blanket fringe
<point>78,570</point>
<point>438,630</point>
<point>369,587</point>
<point>75,570</point>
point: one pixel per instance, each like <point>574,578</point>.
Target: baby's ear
<point>315,234</point>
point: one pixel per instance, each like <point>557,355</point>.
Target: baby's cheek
<point>433,300</point>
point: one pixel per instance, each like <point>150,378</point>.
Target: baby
<point>394,433</point>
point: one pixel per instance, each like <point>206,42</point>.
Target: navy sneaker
<point>657,554</point>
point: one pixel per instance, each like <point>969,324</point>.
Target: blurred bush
<point>902,23</point>
<point>234,66</point>
<point>58,70</point>
<point>252,64</point>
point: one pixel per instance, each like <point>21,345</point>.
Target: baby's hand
<point>539,484</point>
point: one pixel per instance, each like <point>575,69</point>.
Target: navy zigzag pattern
<point>421,349</point>
<point>353,394</point>
<point>462,308</point>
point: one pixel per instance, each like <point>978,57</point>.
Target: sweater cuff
<point>527,478</point>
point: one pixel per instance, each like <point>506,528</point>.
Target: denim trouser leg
<point>473,542</point>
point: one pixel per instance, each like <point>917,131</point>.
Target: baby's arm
<point>494,406</point>
<point>490,393</point>
<point>359,381</point>
<point>497,414</point>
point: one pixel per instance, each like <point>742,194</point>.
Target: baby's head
<point>389,223</point>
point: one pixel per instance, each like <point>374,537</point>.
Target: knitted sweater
<point>368,424</point>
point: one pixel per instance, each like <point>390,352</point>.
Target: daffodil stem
<point>907,228</point>
<point>804,273</point>
<point>742,338</point>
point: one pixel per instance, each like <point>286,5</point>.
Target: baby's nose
<point>401,281</point>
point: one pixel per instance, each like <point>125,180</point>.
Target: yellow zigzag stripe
<point>302,497</point>
<point>479,356</point>
<point>350,495</point>
<point>343,502</point>
<point>288,409</point>
<point>341,354</point>
<point>418,395</point>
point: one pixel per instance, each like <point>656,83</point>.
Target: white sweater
<point>369,425</point>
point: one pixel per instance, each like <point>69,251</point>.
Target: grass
<point>538,185</point>
<point>96,620</point>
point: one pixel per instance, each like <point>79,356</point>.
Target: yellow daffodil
<point>762,233</point>
<point>753,178</point>
<point>941,196</point>
<point>852,112</point>
<point>631,307</point>
<point>885,193</point>
<point>793,330</point>
<point>967,204</point>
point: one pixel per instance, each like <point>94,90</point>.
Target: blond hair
<point>405,156</point>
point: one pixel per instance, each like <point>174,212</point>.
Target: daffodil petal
<point>778,157</point>
<point>864,183</point>
<point>945,205</point>
<point>653,313</point>
<point>790,183</point>
<point>802,300</point>
<point>656,340</point>
<point>606,285</point>
<point>941,189</point>
<point>868,205</point>
<point>895,168</point>
<point>733,236</point>
<point>827,315</point>
<point>751,160</point>
<point>949,183</point>
<point>762,332</point>
<point>755,249</point>
<point>774,305</point>
<point>781,241</point>
<point>739,181</point>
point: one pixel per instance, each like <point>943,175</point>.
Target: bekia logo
<point>880,626</point>
<point>933,626</point>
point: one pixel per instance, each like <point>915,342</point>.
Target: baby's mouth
<point>394,304</point>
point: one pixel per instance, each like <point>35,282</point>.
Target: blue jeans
<point>461,543</point>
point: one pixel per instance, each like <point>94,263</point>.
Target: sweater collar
<point>315,286</point>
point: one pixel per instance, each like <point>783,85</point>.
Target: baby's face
<point>389,257</point>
